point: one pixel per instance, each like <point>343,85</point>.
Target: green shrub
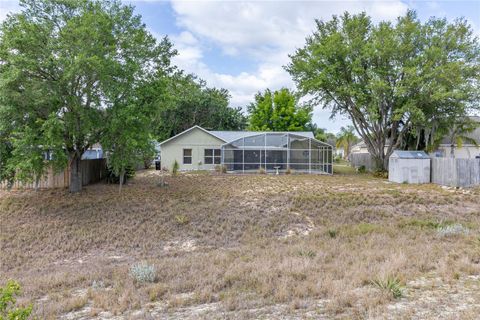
<point>175,168</point>
<point>362,169</point>
<point>391,285</point>
<point>8,308</point>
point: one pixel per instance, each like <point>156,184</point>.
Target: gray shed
<point>409,167</point>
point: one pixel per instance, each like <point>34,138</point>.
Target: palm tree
<point>459,135</point>
<point>345,139</point>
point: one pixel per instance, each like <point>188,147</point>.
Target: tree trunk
<point>122,177</point>
<point>75,173</point>
<point>452,151</point>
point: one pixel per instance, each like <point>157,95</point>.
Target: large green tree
<point>391,79</point>
<point>279,111</point>
<point>188,101</point>
<point>64,65</point>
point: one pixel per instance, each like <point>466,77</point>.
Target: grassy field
<point>253,246</point>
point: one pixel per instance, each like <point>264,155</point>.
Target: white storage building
<point>409,167</point>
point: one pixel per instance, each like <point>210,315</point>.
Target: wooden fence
<point>92,171</point>
<point>362,159</point>
<point>455,172</point>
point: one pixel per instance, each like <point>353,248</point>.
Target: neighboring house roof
<point>229,136</point>
<point>402,154</point>
<point>360,144</point>
<point>475,135</point>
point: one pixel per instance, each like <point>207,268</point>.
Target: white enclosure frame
<point>317,157</point>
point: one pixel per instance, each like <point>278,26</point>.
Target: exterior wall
<point>409,170</point>
<point>465,152</point>
<point>197,140</point>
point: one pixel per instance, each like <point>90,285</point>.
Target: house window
<point>187,156</point>
<point>213,156</point>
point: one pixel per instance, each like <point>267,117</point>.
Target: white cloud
<point>263,31</point>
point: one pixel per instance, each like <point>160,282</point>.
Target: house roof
<point>475,134</point>
<point>188,130</point>
<point>229,136</point>
<point>402,154</point>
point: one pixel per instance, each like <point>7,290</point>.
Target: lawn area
<point>245,246</point>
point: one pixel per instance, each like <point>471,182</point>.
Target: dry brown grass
<point>244,245</point>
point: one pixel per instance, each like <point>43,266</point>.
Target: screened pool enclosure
<point>273,151</point>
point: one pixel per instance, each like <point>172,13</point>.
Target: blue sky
<point>243,46</point>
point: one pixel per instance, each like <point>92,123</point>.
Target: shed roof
<point>401,154</point>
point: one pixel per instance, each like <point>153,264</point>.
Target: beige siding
<point>197,140</point>
<point>465,152</point>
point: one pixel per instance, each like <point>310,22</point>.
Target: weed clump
<point>143,273</point>
<point>175,168</point>
<point>362,169</point>
<point>181,219</point>
<point>307,254</point>
<point>332,233</point>
<point>452,230</point>
<point>391,285</point>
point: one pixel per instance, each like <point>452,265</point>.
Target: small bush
<point>332,233</point>
<point>262,170</point>
<point>181,219</point>
<point>362,169</point>
<point>175,168</point>
<point>115,179</point>
<point>288,171</point>
<point>143,273</point>
<point>97,284</point>
<point>452,230</point>
<point>221,169</point>
<point>380,174</point>
<point>391,285</point>
<point>8,309</point>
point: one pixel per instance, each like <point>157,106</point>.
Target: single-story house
<point>246,151</point>
<point>467,150</point>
